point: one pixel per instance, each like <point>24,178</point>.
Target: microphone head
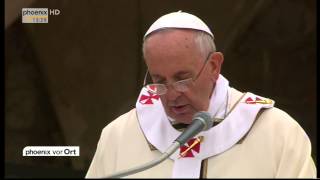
<point>204,117</point>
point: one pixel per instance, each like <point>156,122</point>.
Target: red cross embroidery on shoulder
<point>193,146</point>
<point>249,100</point>
<point>147,99</point>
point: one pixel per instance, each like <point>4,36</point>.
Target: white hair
<point>205,43</point>
<point>203,40</point>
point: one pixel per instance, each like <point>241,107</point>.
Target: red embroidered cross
<point>147,99</point>
<point>249,100</point>
<point>193,145</point>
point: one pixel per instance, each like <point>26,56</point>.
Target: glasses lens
<point>183,86</point>
<point>158,89</point>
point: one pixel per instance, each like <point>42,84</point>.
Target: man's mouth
<point>179,109</point>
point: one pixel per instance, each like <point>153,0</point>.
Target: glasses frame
<point>177,82</point>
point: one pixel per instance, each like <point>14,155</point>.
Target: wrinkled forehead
<point>166,31</point>
<point>170,52</point>
<point>171,41</point>
<point>172,34</point>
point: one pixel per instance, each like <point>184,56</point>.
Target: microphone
<point>201,121</point>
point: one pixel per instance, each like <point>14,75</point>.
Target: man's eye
<point>183,78</point>
<point>159,81</point>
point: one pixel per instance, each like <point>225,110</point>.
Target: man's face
<point>172,56</point>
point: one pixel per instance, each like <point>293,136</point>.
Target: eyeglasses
<point>180,86</point>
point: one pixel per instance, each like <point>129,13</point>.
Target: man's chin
<point>183,118</point>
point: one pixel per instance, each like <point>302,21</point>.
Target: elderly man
<point>250,138</point>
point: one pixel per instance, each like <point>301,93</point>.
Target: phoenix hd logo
<point>38,15</point>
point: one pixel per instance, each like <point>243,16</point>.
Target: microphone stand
<point>150,164</point>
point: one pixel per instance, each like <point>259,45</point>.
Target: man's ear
<point>216,61</point>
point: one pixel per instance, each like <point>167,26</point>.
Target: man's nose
<point>172,93</point>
